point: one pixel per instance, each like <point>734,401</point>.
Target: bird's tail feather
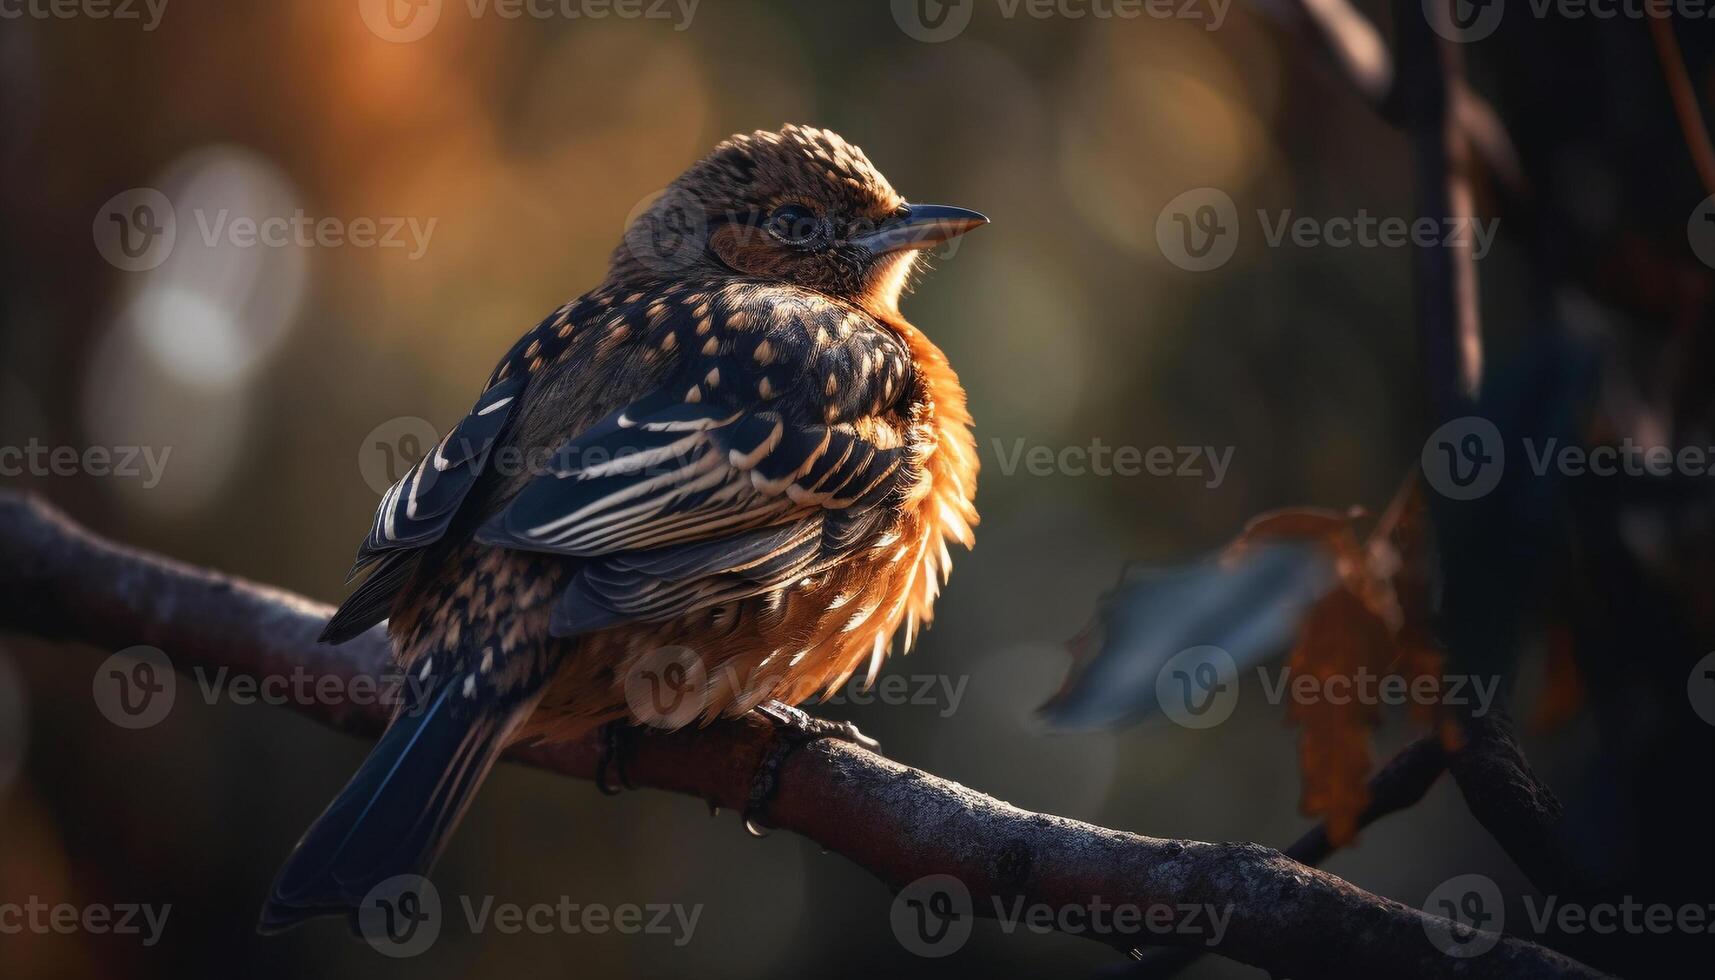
<point>396,813</point>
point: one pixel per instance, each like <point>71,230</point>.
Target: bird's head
<point>800,206</point>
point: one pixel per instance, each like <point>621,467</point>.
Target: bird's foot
<point>610,772</point>
<point>793,729</point>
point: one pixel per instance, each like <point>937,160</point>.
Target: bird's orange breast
<point>818,635</point>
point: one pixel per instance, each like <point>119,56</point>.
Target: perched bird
<point>734,445</point>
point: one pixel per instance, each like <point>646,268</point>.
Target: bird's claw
<point>793,728</point>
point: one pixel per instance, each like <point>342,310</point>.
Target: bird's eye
<point>794,225</point>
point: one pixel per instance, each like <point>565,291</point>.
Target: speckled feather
<point>761,472</point>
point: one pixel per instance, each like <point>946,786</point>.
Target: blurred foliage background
<point>529,143</point>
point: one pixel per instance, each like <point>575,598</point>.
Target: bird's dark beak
<point>920,226</point>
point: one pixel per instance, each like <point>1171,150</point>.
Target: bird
<point>735,445</point>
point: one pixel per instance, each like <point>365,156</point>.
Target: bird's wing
<point>417,510</point>
<point>683,506</point>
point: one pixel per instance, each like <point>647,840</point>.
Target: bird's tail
<point>396,814</point>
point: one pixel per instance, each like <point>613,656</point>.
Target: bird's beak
<point>920,226</point>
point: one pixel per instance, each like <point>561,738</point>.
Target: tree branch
<point>1519,812</point>
<point>59,581</point>
<point>1398,785</point>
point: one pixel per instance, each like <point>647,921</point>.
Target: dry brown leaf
<point>1375,622</point>
<point>1341,636</point>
